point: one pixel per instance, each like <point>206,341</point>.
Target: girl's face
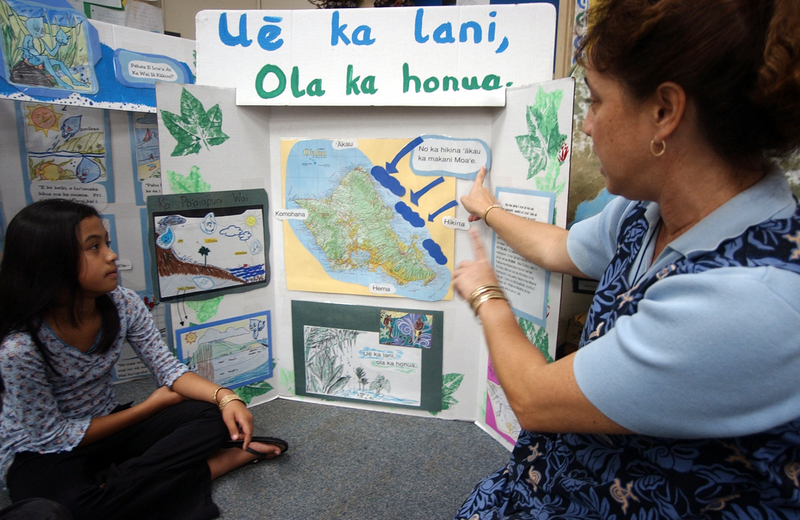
<point>619,127</point>
<point>98,263</point>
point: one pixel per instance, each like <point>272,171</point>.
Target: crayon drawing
<point>353,364</point>
<point>231,353</point>
<point>65,152</point>
<point>200,251</point>
<point>46,49</point>
<point>146,157</point>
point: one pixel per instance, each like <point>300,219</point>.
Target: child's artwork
<point>65,153</point>
<point>499,415</point>
<point>380,356</point>
<point>373,216</point>
<point>232,353</point>
<point>206,243</point>
<point>46,51</point>
<point>146,157</point>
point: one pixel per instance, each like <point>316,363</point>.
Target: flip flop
<point>283,445</point>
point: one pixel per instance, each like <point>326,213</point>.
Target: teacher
<point>683,400</point>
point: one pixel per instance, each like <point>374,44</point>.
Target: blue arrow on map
<point>415,195</point>
<point>391,167</point>
<point>451,204</point>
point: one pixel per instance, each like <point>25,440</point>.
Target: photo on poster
<point>65,153</point>
<point>143,128</point>
<point>347,353</point>
<point>232,353</point>
<point>204,243</point>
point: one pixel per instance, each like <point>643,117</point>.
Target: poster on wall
<point>374,216</point>
<point>375,355</point>
<point>233,352</point>
<point>143,128</point>
<point>65,152</point>
<point>207,243</point>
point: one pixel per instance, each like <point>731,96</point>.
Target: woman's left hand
<point>239,421</point>
<point>471,274</point>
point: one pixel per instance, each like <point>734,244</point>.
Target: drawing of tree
<point>325,348</point>
<point>380,384</point>
<point>204,252</point>
<point>361,374</point>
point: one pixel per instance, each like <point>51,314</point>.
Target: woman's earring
<point>653,148</point>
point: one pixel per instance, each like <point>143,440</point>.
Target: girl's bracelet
<point>227,399</point>
<point>216,392</point>
<point>490,208</point>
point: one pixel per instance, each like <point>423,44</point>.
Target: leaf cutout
<point>194,127</point>
<point>194,183</point>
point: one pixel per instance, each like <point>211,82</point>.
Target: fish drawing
<point>87,170</point>
<point>70,126</point>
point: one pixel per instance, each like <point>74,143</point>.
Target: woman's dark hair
<point>40,270</point>
<point>739,60</point>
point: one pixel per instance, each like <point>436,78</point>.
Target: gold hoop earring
<point>653,149</point>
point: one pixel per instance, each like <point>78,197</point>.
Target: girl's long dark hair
<point>40,270</point>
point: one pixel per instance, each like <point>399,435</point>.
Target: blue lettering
<point>361,36</point>
<point>268,35</point>
<point>444,34</point>
<point>337,31</point>
<point>227,38</point>
<point>476,32</point>
<point>418,27</point>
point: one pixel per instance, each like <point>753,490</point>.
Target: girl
<point>63,319</point>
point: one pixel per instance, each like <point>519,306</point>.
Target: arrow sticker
<point>415,195</point>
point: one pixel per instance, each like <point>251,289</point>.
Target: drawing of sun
<point>43,118</point>
<point>190,338</point>
<point>251,219</point>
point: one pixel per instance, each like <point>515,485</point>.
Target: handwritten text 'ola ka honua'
<point>268,38</point>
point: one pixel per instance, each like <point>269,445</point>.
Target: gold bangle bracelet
<point>216,392</point>
<point>481,290</point>
<point>227,399</point>
<point>490,208</point>
<point>485,298</point>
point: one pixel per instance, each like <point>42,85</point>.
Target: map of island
<point>351,234</point>
<point>353,227</point>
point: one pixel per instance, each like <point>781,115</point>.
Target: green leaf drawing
<point>248,392</point>
<point>195,126</point>
<point>450,383</point>
<point>191,184</point>
<point>206,309</point>
<point>287,380</point>
<point>538,336</point>
<point>542,143</point>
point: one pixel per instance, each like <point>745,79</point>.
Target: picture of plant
<point>195,127</point>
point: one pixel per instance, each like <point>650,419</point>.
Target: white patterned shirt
<point>48,412</point>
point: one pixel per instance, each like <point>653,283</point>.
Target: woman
<point>63,320</point>
<point>682,401</point>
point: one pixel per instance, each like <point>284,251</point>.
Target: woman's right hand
<point>479,198</point>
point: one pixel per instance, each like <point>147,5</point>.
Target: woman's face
<point>619,127</point>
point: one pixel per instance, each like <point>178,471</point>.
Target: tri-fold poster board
<point>292,218</point>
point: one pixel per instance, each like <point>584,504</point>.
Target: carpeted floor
<point>351,464</point>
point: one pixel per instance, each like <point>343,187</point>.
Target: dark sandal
<point>283,445</point>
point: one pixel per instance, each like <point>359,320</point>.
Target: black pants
<point>154,469</point>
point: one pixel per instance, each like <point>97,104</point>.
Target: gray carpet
<point>352,464</point>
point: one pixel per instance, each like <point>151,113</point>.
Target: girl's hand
<point>239,421</point>
<point>478,198</point>
<point>471,274</point>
